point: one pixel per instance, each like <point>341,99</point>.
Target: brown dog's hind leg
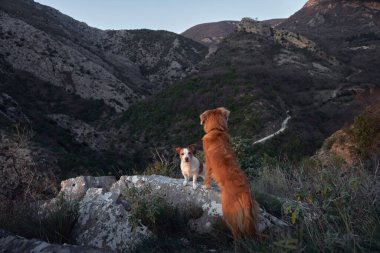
<point>207,183</point>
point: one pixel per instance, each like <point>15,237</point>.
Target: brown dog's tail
<point>240,213</point>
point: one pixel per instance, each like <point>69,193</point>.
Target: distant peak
<point>253,26</point>
<point>315,2</point>
<point>311,3</point>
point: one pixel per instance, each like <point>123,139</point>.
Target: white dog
<point>190,165</point>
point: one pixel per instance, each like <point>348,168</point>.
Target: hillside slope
<point>211,34</point>
<point>259,73</point>
<point>69,79</point>
<point>348,30</point>
<point>75,53</point>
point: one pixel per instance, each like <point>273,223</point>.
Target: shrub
<point>154,212</point>
<point>163,165</point>
<point>158,168</point>
<point>170,225</point>
<point>244,152</point>
<point>365,135</point>
<point>53,224</point>
<point>331,209</point>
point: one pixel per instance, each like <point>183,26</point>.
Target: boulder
<point>103,223</point>
<point>184,197</point>
<point>17,244</point>
<point>104,209</point>
<point>179,197</point>
<point>75,188</point>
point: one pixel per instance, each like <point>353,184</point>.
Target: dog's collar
<point>216,129</point>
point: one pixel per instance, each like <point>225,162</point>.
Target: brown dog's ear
<point>224,111</point>
<point>178,149</point>
<point>193,148</point>
<point>203,117</point>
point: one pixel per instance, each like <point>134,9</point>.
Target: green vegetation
<point>154,212</point>
<point>330,209</point>
<point>245,76</point>
<point>365,135</point>
<point>53,224</point>
<point>171,117</point>
<point>157,168</point>
<point>37,99</point>
<point>169,224</point>
<point>255,156</point>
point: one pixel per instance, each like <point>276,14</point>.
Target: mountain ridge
<point>258,71</point>
<point>69,79</point>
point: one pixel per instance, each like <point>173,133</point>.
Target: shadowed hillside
<point>259,73</point>
<point>63,80</point>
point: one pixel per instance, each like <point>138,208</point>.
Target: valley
<point>102,101</point>
<point>90,118</point>
<point>116,85</point>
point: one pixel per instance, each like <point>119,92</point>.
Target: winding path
<point>284,126</point>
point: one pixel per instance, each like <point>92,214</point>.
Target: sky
<point>170,15</point>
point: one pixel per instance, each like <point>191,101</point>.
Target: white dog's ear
<point>193,148</point>
<point>178,149</point>
<point>203,117</point>
<point>224,111</point>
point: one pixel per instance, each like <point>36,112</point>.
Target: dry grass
<point>31,220</point>
<point>332,209</point>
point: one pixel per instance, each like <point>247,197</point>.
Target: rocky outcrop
<point>211,34</point>
<point>355,142</point>
<point>104,216</point>
<point>163,57</point>
<point>347,30</point>
<point>251,26</point>
<point>74,189</point>
<point>104,210</point>
<point>29,49</point>
<point>285,38</point>
<point>104,223</point>
<point>119,67</point>
<point>338,145</point>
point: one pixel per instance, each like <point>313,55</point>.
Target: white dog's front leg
<point>186,180</point>
<point>194,181</point>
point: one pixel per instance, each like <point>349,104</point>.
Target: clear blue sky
<point>171,15</point>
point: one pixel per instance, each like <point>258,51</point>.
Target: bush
<point>163,165</point>
<point>244,152</point>
<point>154,212</point>
<point>331,209</point>
<point>53,224</point>
<point>158,168</point>
<point>365,135</point>
<point>169,224</point>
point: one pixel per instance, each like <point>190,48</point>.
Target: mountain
<point>76,100</point>
<point>104,100</point>
<point>348,30</point>
<point>211,34</point>
<point>90,62</point>
<point>164,57</point>
<point>62,81</point>
<point>262,74</point>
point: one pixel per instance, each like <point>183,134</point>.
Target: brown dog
<point>240,210</point>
